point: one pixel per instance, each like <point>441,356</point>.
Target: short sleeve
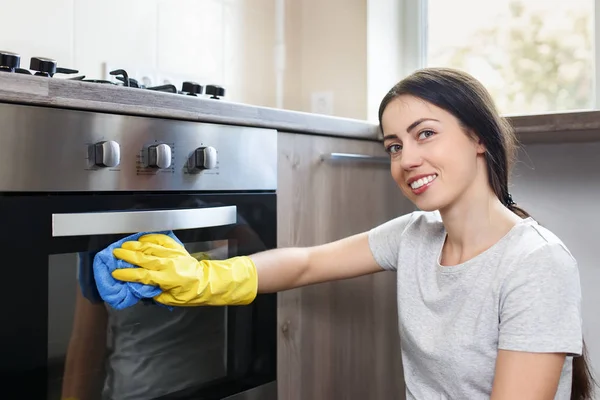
<point>384,241</point>
<point>540,304</point>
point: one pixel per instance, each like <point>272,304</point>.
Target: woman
<point>489,301</point>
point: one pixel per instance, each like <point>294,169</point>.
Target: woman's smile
<point>421,183</point>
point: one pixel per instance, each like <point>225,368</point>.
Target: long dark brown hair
<point>467,99</point>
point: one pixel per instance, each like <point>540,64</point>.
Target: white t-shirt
<point>521,294</point>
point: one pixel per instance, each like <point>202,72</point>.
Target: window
<point>534,56</point>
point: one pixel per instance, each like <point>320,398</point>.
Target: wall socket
<point>322,102</point>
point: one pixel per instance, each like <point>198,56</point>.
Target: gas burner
<point>11,62</point>
<point>191,88</point>
<point>187,88</point>
<point>215,91</point>
<point>47,67</point>
<point>123,76</point>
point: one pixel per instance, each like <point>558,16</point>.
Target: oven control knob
<point>9,61</point>
<point>159,156</point>
<point>43,66</point>
<point>215,91</point>
<point>203,158</point>
<point>191,88</point>
<point>107,154</point>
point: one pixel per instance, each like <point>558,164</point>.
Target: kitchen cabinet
<point>336,340</point>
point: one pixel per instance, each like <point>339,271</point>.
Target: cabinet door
<point>336,340</point>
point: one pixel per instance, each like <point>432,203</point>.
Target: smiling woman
<point>452,152</point>
<point>489,301</point>
<point>450,134</point>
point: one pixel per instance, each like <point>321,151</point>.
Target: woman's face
<point>433,160</point>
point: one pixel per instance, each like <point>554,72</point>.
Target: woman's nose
<point>411,156</point>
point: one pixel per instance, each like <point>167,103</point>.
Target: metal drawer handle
<point>355,157</point>
<point>115,222</point>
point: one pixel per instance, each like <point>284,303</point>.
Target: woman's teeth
<point>423,181</point>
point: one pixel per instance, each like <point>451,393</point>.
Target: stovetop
<point>46,67</point>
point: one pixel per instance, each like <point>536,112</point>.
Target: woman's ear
<point>480,146</point>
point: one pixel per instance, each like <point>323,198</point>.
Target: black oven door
<point>60,340</point>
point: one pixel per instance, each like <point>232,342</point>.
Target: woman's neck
<point>474,224</point>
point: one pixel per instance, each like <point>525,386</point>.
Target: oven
<point>72,183</point>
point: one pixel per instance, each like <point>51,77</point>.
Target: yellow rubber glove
<point>184,280</point>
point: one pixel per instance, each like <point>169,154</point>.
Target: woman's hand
<point>185,281</point>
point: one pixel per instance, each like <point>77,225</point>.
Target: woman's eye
<point>394,148</point>
<point>426,134</point>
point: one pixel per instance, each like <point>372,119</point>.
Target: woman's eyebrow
<point>418,122</point>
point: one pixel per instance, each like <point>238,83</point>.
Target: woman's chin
<point>427,208</point>
<point>426,204</point>
<point>424,200</point>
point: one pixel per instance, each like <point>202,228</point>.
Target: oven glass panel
<point>61,341</point>
<point>141,352</point>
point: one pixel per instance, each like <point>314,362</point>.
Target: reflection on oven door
<point>138,353</point>
<point>154,351</point>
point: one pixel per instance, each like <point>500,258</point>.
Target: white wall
<point>560,186</point>
<point>326,43</point>
<point>226,42</point>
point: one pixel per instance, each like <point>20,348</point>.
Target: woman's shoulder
<point>540,295</point>
<point>407,230</point>
<point>535,249</point>
<point>533,239</point>
<point>413,222</point>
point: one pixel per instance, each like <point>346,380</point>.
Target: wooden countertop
<point>566,127</point>
<point>580,126</point>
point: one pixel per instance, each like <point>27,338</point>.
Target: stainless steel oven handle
<point>355,158</point>
<point>115,222</point>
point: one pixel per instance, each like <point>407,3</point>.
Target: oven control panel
<point>108,154</point>
<point>48,149</point>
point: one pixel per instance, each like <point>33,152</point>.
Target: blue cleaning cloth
<point>119,294</point>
